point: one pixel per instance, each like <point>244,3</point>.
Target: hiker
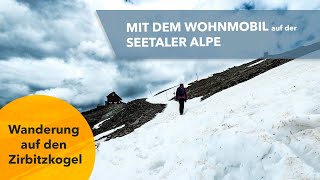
<point>181,96</point>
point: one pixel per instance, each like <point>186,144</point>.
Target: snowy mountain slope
<point>265,128</point>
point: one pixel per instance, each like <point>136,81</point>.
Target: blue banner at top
<point>204,34</point>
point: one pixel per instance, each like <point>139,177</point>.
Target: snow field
<point>265,128</point>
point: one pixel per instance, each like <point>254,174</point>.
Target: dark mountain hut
<point>113,98</point>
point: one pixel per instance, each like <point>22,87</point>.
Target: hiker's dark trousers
<point>181,105</point>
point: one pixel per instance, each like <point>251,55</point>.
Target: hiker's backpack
<point>180,91</point>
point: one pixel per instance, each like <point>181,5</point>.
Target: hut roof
<point>114,94</point>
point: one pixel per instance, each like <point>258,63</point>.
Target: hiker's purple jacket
<point>185,96</point>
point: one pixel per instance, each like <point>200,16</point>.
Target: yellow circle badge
<point>43,137</point>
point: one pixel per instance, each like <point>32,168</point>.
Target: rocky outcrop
<point>94,116</point>
<point>217,82</point>
<point>133,115</point>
